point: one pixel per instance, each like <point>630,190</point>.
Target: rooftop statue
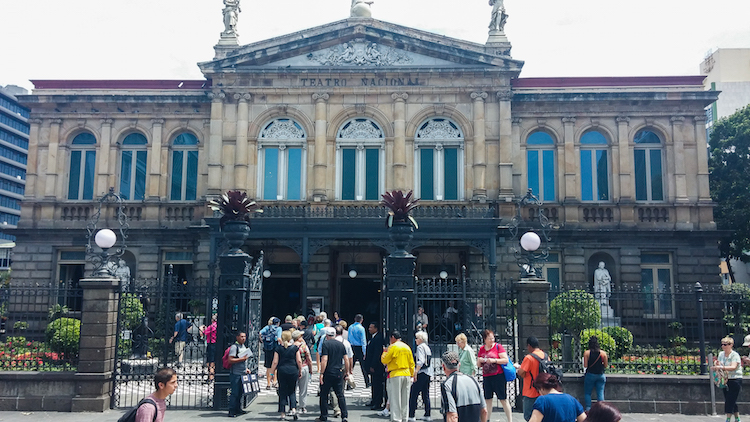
<point>231,14</point>
<point>361,9</point>
<point>497,23</point>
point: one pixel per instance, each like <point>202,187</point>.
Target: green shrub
<point>57,311</point>
<point>606,342</point>
<point>623,338</point>
<point>64,335</point>
<point>131,311</point>
<point>575,310</point>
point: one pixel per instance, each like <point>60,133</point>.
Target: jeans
<point>731,392</point>
<point>421,386</point>
<point>235,382</point>
<point>528,407</point>
<point>593,381</point>
<point>336,382</point>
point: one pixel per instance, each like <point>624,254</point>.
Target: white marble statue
<point>361,9</point>
<point>123,273</point>
<point>497,22</point>
<point>602,286</point>
<point>231,14</point>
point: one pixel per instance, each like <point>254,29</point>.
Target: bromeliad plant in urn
<point>235,209</point>
<point>399,222</point>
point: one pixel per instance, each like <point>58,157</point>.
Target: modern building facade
<point>317,124</point>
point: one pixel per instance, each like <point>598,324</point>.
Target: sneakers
<point>425,418</point>
<point>412,420</point>
<point>385,412</point>
<point>336,414</point>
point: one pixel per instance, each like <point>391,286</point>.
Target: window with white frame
<point>649,170</point>
<point>439,147</point>
<point>82,167</point>
<point>656,284</point>
<point>594,167</point>
<point>282,154</point>
<point>133,167</point>
<point>540,165</point>
<point>184,182</point>
<point>360,160</point>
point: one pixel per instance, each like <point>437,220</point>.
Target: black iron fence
<point>646,330</point>
<point>40,326</point>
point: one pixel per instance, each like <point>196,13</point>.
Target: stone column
<point>568,188</point>
<point>96,361</point>
<point>215,141</point>
<point>32,169</point>
<point>105,166</point>
<point>240,163</point>
<point>399,282</point>
<point>626,181</point>
<point>155,173</point>
<point>480,161</point>
<point>53,149</point>
<point>399,140</point>
<point>679,158</point>
<point>505,149</point>
<point>702,149</point>
<point>533,311</point>
<point>320,162</point>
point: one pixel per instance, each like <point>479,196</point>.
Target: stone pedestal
<point>498,43</point>
<point>97,348</point>
<point>399,282</point>
<point>533,311</point>
<point>227,43</point>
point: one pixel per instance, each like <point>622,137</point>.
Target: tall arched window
<point>594,167</point>
<point>649,176</point>
<point>184,185</point>
<point>439,146</point>
<point>133,167</point>
<point>540,165</point>
<point>281,161</point>
<point>360,159</point>
<point>82,166</point>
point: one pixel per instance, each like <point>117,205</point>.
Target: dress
<point>558,407</point>
<point>287,374</point>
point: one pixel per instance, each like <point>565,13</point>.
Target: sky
<point>165,39</point>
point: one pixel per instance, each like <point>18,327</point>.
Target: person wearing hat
<point>462,399</point>
<point>746,359</point>
<point>334,369</point>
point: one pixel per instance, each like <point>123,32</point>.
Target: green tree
<point>575,310</point>
<point>729,169</point>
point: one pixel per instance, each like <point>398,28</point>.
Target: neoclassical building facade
<point>317,124</point>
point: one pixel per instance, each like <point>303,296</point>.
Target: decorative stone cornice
<point>516,121</point>
<point>35,121</point>
<point>157,122</point>
<point>479,96</point>
<point>55,121</point>
<point>216,96</point>
<point>677,120</point>
<point>107,122</point>
<point>623,119</point>
<point>700,118</point>
<point>399,96</point>
<point>504,94</point>
<point>243,97</point>
<point>320,97</point>
<point>568,120</point>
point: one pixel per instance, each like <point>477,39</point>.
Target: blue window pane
<point>587,191</point>
<point>602,175</point>
<point>540,138</point>
<point>176,191</point>
<point>140,175</point>
<point>655,258</point>
<point>84,138</point>
<point>532,164</point>
<point>592,138</point>
<point>548,163</point>
<point>372,174</point>
<point>665,292</point>
<point>75,174</point>
<point>88,175</point>
<point>639,158</point>
<point>134,139</point>
<point>451,174</point>
<point>646,137</point>
<point>185,139</point>
<point>191,185</point>
<point>271,174</point>
<point>348,172</point>
<point>657,193</point>
<point>426,174</point>
<point>294,174</point>
<point>553,277</point>
<point>125,171</point>
<point>647,288</point>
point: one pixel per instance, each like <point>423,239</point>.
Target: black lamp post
<point>100,241</point>
<point>534,242</point>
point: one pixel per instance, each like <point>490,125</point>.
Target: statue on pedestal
<point>603,288</point>
<point>497,22</point>
<point>231,14</point>
<point>360,9</point>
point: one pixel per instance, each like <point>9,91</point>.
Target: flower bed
<point>19,354</point>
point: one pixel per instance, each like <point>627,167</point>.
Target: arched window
<point>540,165</point>
<point>594,167</point>
<point>82,167</point>
<point>184,185</point>
<point>360,159</point>
<point>647,157</point>
<point>281,161</point>
<point>439,146</point>
<point>133,167</point>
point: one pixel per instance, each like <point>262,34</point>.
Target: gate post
<point>399,279</point>
<point>96,356</point>
<point>533,311</point>
<point>701,327</point>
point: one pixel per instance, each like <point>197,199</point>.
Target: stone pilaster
<point>53,150</point>
<point>623,142</point>
<point>504,97</point>
<point>399,140</point>
<point>215,143</point>
<point>320,163</point>
<point>32,191</point>
<point>480,160</point>
<point>568,187</point>
<point>241,148</point>
<point>678,152</point>
<point>701,144</point>
<point>98,341</point>
<point>155,171</point>
<point>105,167</point>
<point>533,311</point>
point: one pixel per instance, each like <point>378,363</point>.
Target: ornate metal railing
<point>373,211</point>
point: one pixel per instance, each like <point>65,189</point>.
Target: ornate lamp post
<point>103,261</point>
<point>534,243</point>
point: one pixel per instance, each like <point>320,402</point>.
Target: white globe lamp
<point>352,273</point>
<point>443,274</point>
<point>266,273</point>
<point>105,238</point>
<point>530,241</point>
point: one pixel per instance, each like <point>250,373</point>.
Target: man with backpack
<point>238,360</point>
<point>529,370</point>
<point>152,408</point>
<point>462,400</point>
<point>270,336</point>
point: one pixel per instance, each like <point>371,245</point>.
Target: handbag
<point>720,378</point>
<point>509,370</point>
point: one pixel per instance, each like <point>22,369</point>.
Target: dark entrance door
<point>280,297</point>
<point>359,296</point>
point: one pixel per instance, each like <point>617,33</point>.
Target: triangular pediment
<point>362,44</point>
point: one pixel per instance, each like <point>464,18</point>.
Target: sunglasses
<point>726,344</point>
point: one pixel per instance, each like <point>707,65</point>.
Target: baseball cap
<point>747,341</point>
<point>276,320</point>
<point>330,331</point>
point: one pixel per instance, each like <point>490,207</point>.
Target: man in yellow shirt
<point>399,363</point>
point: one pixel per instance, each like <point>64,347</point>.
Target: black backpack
<point>129,416</point>
<point>547,367</point>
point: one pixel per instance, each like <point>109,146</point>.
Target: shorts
<point>179,347</point>
<point>495,384</point>
<point>210,352</point>
<point>268,358</point>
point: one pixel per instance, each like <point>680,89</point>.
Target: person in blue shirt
<point>359,343</point>
<point>553,405</point>
<point>179,337</point>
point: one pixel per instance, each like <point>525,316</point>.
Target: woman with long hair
<point>491,358</point>
<point>596,361</point>
<point>730,361</point>
<point>467,360</point>
<point>422,376</point>
<point>288,362</point>
<point>553,404</point>
<point>603,412</point>
<point>305,371</point>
